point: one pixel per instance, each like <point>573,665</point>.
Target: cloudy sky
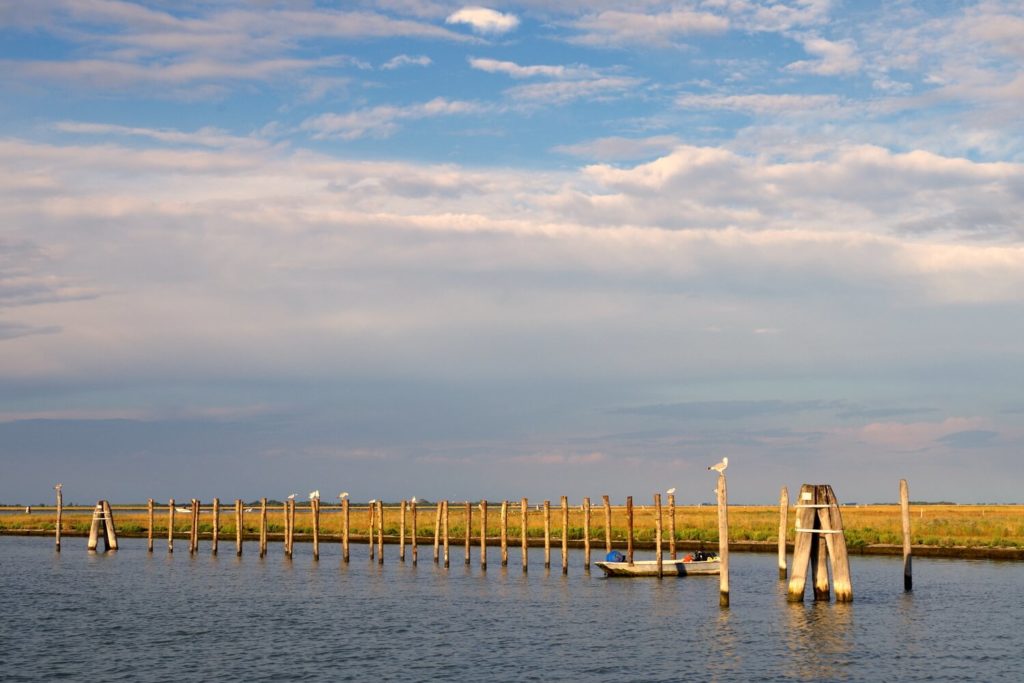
<point>413,247</point>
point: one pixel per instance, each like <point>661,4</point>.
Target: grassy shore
<point>938,526</point>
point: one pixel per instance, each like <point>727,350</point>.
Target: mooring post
<point>239,526</point>
<point>657,533</point>
<point>287,526</point>
<point>445,530</point>
<point>629,530</point>
<point>908,578</point>
<point>565,535</point>
<point>469,529</point>
<point>672,526</point>
<point>723,541</point>
<point>783,526</point>
<point>524,514</point>
<point>111,535</point>
<point>819,547</point>
<point>263,526</point>
<point>607,523</point>
<point>415,532</point>
<point>439,510</point>
<point>60,515</point>
<point>346,521</point>
<point>94,526</point>
<point>193,536</point>
<point>504,533</point>
<point>371,508</point>
<point>216,526</point>
<point>314,504</point>
<point>483,534</point>
<point>547,534</point>
<point>586,534</point>
<point>149,532</point>
<point>380,532</point>
<point>170,526</point>
<point>401,532</point>
<point>838,556</point>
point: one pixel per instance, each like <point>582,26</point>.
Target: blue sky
<point>425,248</point>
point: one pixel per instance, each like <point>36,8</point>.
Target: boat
<point>699,563</point>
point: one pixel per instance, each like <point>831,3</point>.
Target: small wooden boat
<point>697,564</point>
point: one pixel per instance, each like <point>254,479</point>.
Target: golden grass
<point>931,525</point>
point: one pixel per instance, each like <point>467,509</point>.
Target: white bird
<point>720,467</point>
<point>414,499</point>
<point>343,495</point>
<point>671,491</point>
<point>314,495</point>
<point>372,501</point>
<point>249,510</point>
<point>292,497</point>
<point>59,487</point>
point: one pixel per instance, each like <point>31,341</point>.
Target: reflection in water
<point>820,640</point>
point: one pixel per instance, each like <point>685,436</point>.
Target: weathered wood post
<point>401,533</point>
<point>446,527</point>
<point>111,532</point>
<point>657,533</point>
<point>314,504</point>
<point>908,577</point>
<point>586,534</point>
<point>565,535</point>
<point>346,525</point>
<point>239,526</point>
<point>629,530</point>
<point>672,526</point>
<point>469,529</point>
<point>415,532</point>
<point>504,533</point>
<point>437,530</point>
<point>524,531</point>
<point>836,541</point>
<point>94,526</point>
<point>263,526</point>
<point>547,534</point>
<point>483,535</point>
<point>818,515</point>
<point>723,541</point>
<point>216,526</point>
<point>380,532</point>
<point>819,559</point>
<point>149,532</point>
<point>607,524</point>
<point>193,538</point>
<point>783,526</point>
<point>60,516</point>
<point>285,510</point>
<point>371,508</point>
<point>170,526</point>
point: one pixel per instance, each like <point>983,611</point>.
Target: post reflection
<point>819,637</point>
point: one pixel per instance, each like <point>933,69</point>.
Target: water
<point>133,616</point>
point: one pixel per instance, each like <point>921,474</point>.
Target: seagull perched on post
<point>720,467</point>
<point>314,495</point>
<point>414,499</point>
<point>671,491</point>
<point>343,495</point>
<point>292,497</point>
<point>58,487</point>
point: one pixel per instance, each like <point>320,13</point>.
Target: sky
<point>421,248</point>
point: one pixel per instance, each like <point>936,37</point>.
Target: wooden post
<point>193,532</point>
<point>94,526</point>
<point>783,526</point>
<point>314,504</point>
<point>291,528</point>
<point>723,541</point>
<point>657,533</point>
<point>524,529</point>
<point>401,534</point>
<point>380,532</point>
<point>287,525</point>
<point>60,517</point>
<point>483,535</point>
<point>437,530</point>
<point>111,533</point>
<point>446,519</point>
<point>565,535</point>
<point>170,526</point>
<point>239,526</point>
<point>607,524</point>
<point>629,530</point>
<point>149,532</point>
<point>805,519</point>
<point>504,533</point>
<point>547,534</point>
<point>469,529</point>
<point>586,534</point>
<point>908,577</point>
<point>672,526</point>
<point>837,550</point>
<point>216,526</point>
<point>415,532</point>
<point>819,552</point>
<point>263,526</point>
<point>371,508</point>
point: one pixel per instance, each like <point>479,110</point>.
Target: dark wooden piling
<point>438,512</point>
<point>672,526</point>
<point>607,524</point>
<point>380,532</point>
<point>504,533</point>
<point>170,526</point>
<point>657,533</point>
<point>263,527</point>
<point>723,541</point>
<point>586,534</point>
<point>415,532</point>
<point>469,529</point>
<point>783,527</point>
<point>60,516</point>
<point>908,577</point>
<point>524,531</point>
<point>216,526</point>
<point>239,526</point>
<point>565,535</point>
<point>149,531</point>
<point>401,533</point>
<point>314,505</point>
<point>483,535</point>
<point>547,534</point>
<point>629,530</point>
<point>445,534</point>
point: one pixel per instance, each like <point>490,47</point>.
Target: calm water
<point>133,616</point>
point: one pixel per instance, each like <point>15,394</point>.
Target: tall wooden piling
<point>380,532</point>
<point>216,526</point>
<point>586,534</point>
<point>629,530</point>
<point>908,577</point>
<point>111,532</point>
<point>672,526</point>
<point>657,533</point>
<point>371,509</point>
<point>504,533</point>
<point>60,516</point>
<point>565,535</point>
<point>547,534</point>
<point>483,535</point>
<point>838,556</point>
<point>239,526</point>
<point>415,530</point>
<point>287,527</point>
<point>469,529</point>
<point>524,531</point>
<point>723,541</point>
<point>819,529</point>
<point>783,526</point>
<point>149,531</point>
<point>401,533</point>
<point>438,512</point>
<point>291,528</point>
<point>445,532</point>
<point>170,525</point>
<point>263,527</point>
<point>314,504</point>
<point>94,526</point>
<point>607,524</point>
<point>193,541</point>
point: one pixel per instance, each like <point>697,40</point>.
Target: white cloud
<point>517,71</point>
<point>382,121</point>
<point>484,20</point>
<point>833,58</point>
<point>617,28</point>
<point>762,103</point>
<point>561,92</point>
<point>399,61</point>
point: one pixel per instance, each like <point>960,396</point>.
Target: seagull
<point>414,499</point>
<point>314,495</point>
<point>343,495</point>
<point>671,491</point>
<point>58,487</point>
<point>292,497</point>
<point>372,501</point>
<point>720,467</point>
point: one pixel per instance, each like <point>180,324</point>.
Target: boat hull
<point>669,568</point>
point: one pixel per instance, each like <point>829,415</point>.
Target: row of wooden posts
<point>819,539</point>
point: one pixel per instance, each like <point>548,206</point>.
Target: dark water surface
<point>133,616</point>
